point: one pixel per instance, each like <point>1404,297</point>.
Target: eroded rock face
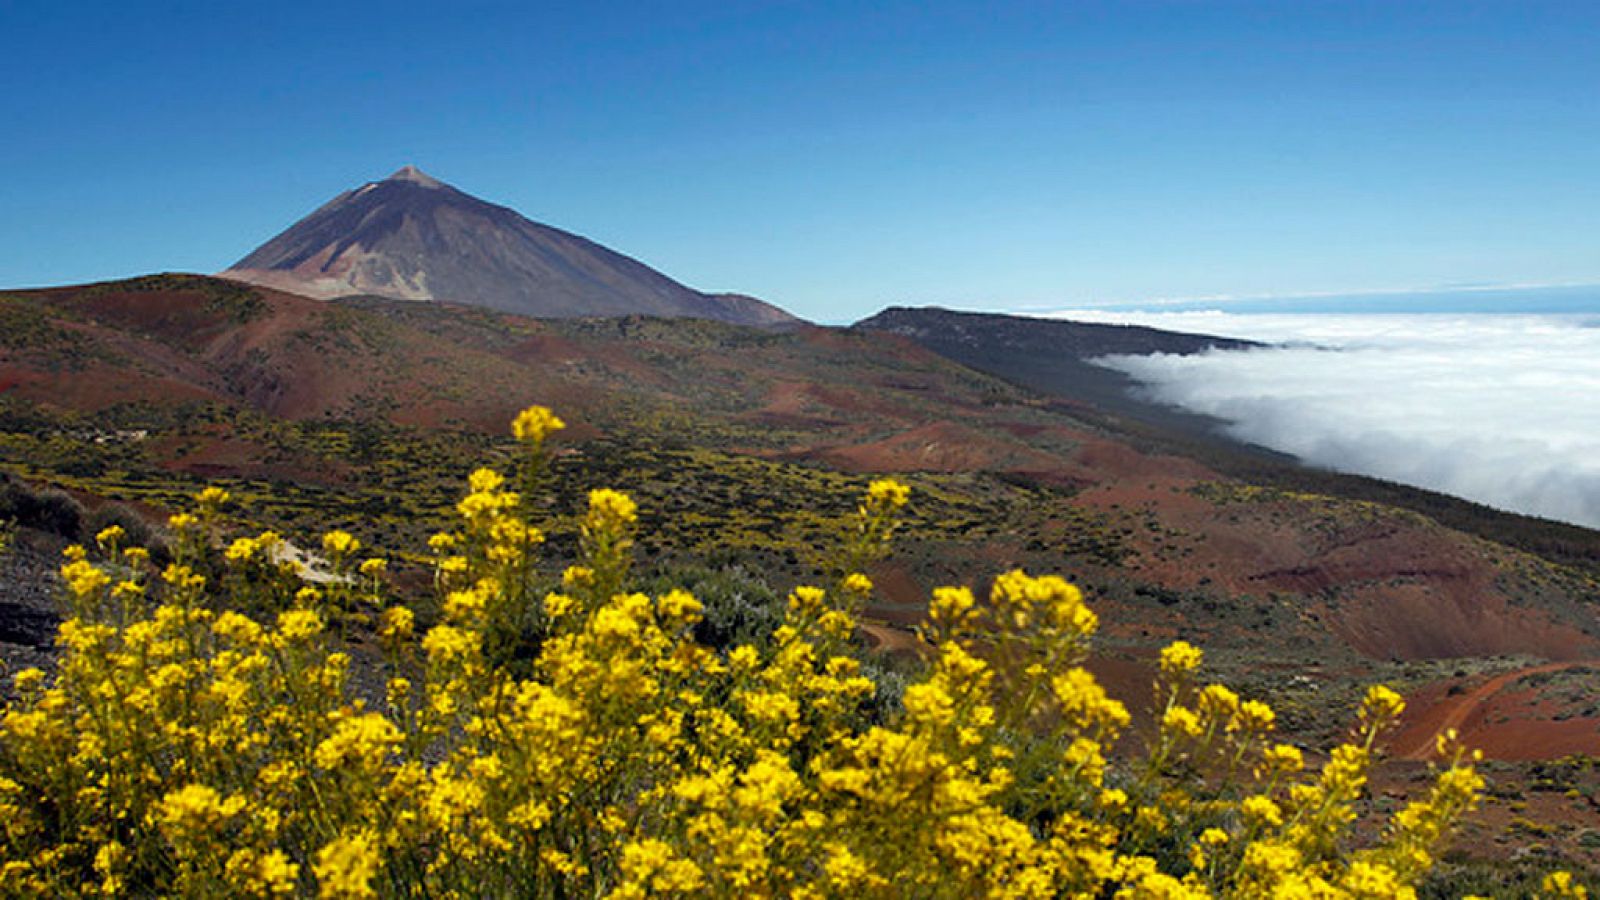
<point>413,237</point>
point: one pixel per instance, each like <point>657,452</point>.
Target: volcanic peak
<point>415,175</point>
<point>413,237</point>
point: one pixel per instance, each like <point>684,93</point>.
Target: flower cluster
<point>183,747</point>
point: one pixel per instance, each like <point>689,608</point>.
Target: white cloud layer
<point>1500,409</point>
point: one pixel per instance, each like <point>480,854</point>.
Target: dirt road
<point>1416,739</point>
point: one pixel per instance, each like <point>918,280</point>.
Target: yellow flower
<point>845,869</point>
<point>299,624</point>
<point>1560,884</point>
<point>1253,717</point>
<point>534,424</point>
<point>1179,659</point>
<point>558,605</point>
<point>346,866</point>
<point>808,600</point>
<point>446,644</point>
<point>109,861</point>
<point>195,811</point>
<point>213,497</point>
<point>1085,704</point>
<point>256,874</point>
<point>485,481</point>
<point>1261,810</point>
<point>650,866</point>
<point>679,606</point>
<point>1181,722</point>
<point>577,577</point>
<point>340,544</point>
<point>744,657</point>
<point>1282,758</point>
<point>1381,705</point>
<point>239,629</point>
<point>242,550</point>
<point>888,493</point>
<point>359,740</point>
<point>951,605</point>
<point>766,785</point>
<point>84,580</point>
<point>1218,702</point>
<point>29,680</point>
<point>465,606</point>
<point>1368,879</point>
<point>858,583</point>
<point>398,624</point>
<point>1083,757</point>
<point>611,509</point>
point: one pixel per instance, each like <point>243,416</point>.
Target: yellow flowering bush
<point>188,745</point>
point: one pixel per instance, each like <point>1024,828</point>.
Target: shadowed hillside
<point>1052,355</point>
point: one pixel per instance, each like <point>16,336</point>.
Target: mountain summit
<point>413,237</point>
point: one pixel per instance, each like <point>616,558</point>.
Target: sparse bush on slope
<point>51,510</point>
<point>183,747</point>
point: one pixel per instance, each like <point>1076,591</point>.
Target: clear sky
<point>834,158</point>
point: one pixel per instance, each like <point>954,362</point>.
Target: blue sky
<point>835,158</point>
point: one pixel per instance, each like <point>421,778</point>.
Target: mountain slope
<point>1052,355</point>
<point>413,237</point>
<point>325,407</point>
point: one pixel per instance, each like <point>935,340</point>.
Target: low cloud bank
<point>1500,409</point>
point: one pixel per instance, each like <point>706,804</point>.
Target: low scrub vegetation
<point>207,732</point>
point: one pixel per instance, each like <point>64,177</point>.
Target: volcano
<point>413,237</point>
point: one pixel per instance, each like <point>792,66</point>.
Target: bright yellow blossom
<point>888,493</point>
<point>1179,659</point>
<point>534,424</point>
<point>346,866</point>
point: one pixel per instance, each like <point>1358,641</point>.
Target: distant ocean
<point>1493,396</point>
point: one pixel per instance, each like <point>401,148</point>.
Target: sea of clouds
<point>1498,408</point>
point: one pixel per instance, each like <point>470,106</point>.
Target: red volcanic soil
<point>1450,614</point>
<point>168,339</point>
<point>1115,462</point>
<point>938,447</point>
<point>1389,584</point>
<point>796,403</point>
<point>1501,716</point>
